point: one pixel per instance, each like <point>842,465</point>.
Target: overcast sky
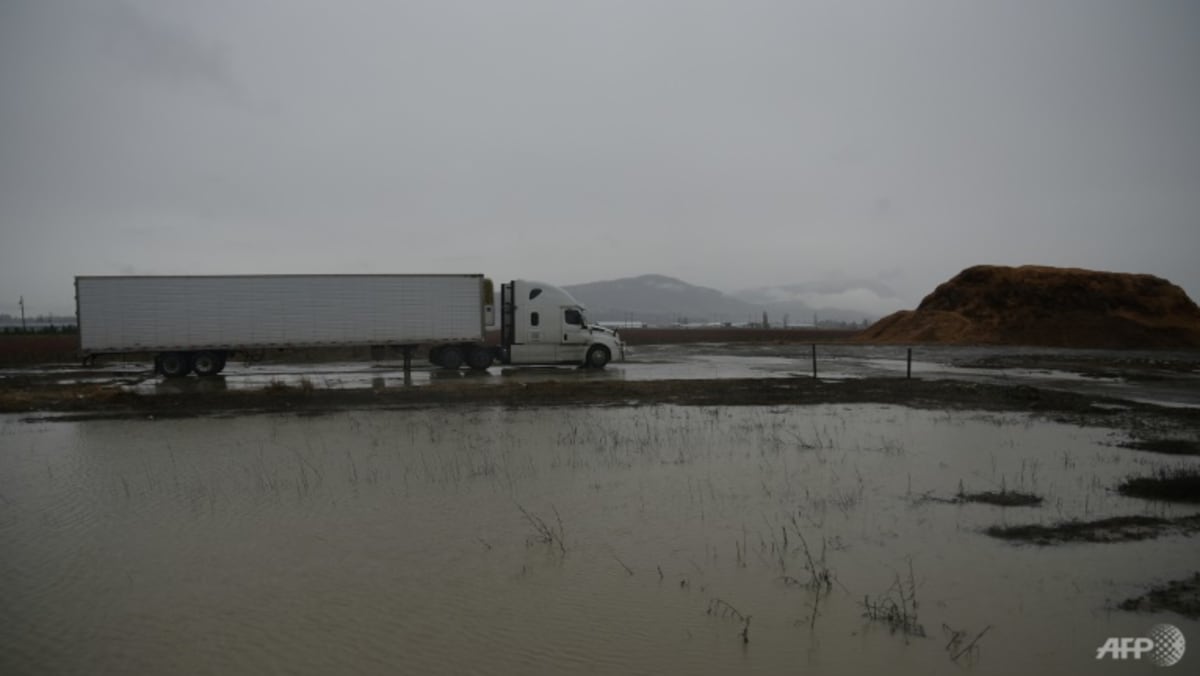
<point>731,144</point>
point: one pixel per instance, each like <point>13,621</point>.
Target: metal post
<point>909,370</point>
<point>814,360</point>
<point>22,304</point>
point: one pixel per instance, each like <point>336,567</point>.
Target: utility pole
<point>22,304</point>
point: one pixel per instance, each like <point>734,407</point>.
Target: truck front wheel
<point>597,357</point>
<point>175,364</point>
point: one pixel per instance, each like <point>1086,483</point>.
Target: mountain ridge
<point>659,299</point>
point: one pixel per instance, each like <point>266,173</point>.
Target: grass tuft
<point>722,608</point>
<point>1165,446</point>
<point>1112,529</point>
<point>1003,498</point>
<point>545,532</point>
<point>1180,596</point>
<point>897,607</point>
<point>1172,485</point>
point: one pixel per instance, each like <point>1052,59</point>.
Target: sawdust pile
<point>1056,307</point>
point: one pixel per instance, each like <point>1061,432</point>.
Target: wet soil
<point>1180,596</point>
<point>37,348</point>
<point>1112,529</point>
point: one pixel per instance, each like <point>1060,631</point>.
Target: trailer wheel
<point>479,358</point>
<point>175,364</point>
<point>597,357</point>
<point>207,363</point>
<point>451,357</point>
<point>435,356</point>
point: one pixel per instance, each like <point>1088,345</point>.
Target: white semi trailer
<point>192,324</point>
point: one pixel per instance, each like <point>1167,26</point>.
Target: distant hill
<point>828,300</point>
<point>656,299</point>
<point>1057,307</point>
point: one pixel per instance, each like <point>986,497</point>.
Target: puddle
<point>394,542</point>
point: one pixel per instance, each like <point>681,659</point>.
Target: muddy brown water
<point>394,542</point>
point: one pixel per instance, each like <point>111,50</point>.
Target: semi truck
<point>193,324</point>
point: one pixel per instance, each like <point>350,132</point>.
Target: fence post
<point>814,360</point>
<point>909,369</point>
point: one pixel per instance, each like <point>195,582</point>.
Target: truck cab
<point>543,324</point>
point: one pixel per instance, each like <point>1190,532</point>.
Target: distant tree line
<point>34,329</point>
<point>834,324</point>
<point>37,324</point>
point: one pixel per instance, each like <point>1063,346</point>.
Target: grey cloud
<point>732,145</point>
<point>164,52</point>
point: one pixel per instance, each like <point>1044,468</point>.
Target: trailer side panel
<point>154,314</point>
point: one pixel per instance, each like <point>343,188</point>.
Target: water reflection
<point>206,384</point>
<point>446,375</point>
<point>574,373</point>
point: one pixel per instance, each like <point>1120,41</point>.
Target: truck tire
<point>479,358</point>
<point>597,357</point>
<point>451,357</point>
<point>435,356</point>
<point>208,363</point>
<point>175,364</point>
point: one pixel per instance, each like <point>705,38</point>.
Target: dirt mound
<point>1056,307</point>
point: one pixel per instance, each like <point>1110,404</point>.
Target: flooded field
<point>640,540</point>
<point>1158,377</point>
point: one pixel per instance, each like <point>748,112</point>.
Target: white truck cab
<point>542,324</point>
